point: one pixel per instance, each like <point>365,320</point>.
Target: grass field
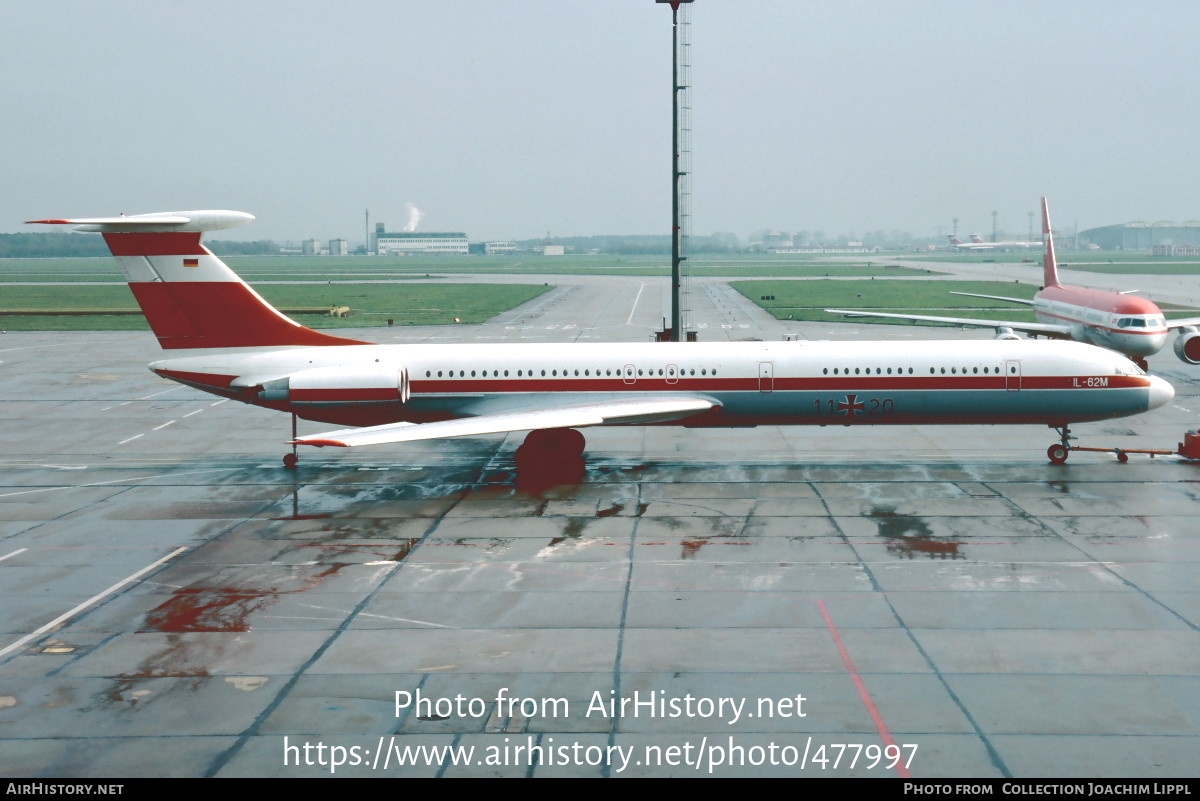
<point>371,304</point>
<point>807,300</point>
<point>368,268</point>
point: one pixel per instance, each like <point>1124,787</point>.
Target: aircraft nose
<point>1160,392</point>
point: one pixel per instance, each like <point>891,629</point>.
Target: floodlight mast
<point>676,330</point>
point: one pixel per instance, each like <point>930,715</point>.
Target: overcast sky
<point>513,118</point>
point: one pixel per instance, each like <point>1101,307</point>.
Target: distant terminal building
<point>339,247</point>
<point>776,241</point>
<point>311,247</point>
<point>1175,250</point>
<point>493,248</point>
<point>1143,236</point>
<point>406,242</point>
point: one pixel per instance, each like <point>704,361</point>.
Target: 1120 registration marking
<point>1091,381</point>
<point>854,406</point>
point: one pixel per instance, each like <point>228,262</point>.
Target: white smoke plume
<point>414,217</point>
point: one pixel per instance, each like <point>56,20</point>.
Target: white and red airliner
<point>1119,321</point>
<point>222,337</point>
<point>977,244</point>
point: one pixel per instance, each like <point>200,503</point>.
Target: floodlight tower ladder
<point>681,138</point>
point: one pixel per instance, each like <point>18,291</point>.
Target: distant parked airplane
<point>977,244</point>
<point>1119,321</point>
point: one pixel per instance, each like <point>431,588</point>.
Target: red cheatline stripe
<point>1077,321</point>
<point>320,443</point>
<point>344,394</point>
<point>208,379</point>
<point>863,695</point>
<point>477,386</point>
<point>835,384</point>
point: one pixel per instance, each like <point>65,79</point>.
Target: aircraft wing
<point>994,297</point>
<point>1182,322</point>
<point>655,410</point>
<point>1044,329</point>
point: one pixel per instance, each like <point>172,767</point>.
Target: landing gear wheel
<point>1057,454</point>
<point>1122,457</point>
<point>1142,363</point>
<point>290,460</point>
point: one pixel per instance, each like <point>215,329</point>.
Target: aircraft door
<point>1012,375</point>
<point>766,376</point>
<point>672,374</point>
<point>629,374</point>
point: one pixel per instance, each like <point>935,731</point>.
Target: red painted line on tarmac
<point>863,695</point>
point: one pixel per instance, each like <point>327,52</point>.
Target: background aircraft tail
<point>189,296</point>
<point>1049,264</point>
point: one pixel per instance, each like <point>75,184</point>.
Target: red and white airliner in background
<point>1119,321</point>
<point>222,337</point>
<point>977,244</point>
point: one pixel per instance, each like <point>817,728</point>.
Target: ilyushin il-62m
<point>220,336</point>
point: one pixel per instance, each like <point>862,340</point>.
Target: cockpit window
<point>1126,367</point>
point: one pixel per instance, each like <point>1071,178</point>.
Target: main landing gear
<point>290,460</point>
<point>550,457</point>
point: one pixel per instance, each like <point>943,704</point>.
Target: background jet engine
<point>1187,344</point>
<point>1005,333</point>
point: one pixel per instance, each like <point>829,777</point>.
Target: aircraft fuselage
<point>783,383</point>
<point>1125,323</point>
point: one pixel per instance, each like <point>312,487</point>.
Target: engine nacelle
<point>1005,333</point>
<point>340,386</point>
<point>1187,344</point>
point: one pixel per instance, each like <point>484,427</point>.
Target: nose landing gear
<point>1059,451</point>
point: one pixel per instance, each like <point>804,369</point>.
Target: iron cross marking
<point>851,405</point>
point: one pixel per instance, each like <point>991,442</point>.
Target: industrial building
<point>392,244</point>
<point>1144,236</point>
<point>493,248</point>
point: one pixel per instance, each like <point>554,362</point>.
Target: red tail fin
<point>1049,264</point>
<point>189,296</point>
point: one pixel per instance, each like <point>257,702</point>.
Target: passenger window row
<point>585,373</point>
